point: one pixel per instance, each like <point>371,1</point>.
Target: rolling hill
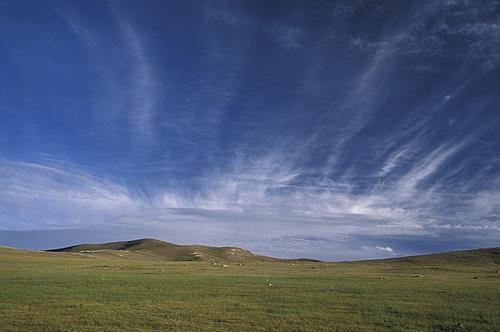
<point>167,251</point>
<point>468,257</point>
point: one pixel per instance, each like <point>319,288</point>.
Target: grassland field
<point>121,291</point>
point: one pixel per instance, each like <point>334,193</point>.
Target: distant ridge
<point>170,251</point>
<point>473,256</point>
<point>151,248</point>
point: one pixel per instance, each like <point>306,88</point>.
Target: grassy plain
<point>42,291</point>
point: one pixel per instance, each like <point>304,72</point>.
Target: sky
<point>335,130</point>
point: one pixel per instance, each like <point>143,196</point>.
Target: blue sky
<point>325,129</point>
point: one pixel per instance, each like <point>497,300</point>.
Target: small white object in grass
<point>270,284</point>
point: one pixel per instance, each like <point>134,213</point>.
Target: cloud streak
<point>143,84</point>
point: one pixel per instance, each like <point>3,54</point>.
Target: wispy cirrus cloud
<point>129,99</point>
<point>37,195</point>
<point>471,29</point>
<point>143,85</point>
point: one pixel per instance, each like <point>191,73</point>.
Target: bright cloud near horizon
<point>334,130</point>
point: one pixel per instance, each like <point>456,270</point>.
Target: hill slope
<point>168,251</point>
<point>475,256</point>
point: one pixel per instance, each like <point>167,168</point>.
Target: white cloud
<point>132,98</point>
<point>395,159</point>
<point>487,202</point>
<point>432,28</point>
<point>143,85</point>
<point>44,196</point>
<point>387,249</point>
<point>425,168</point>
<point>379,251</point>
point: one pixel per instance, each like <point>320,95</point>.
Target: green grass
<point>106,292</point>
